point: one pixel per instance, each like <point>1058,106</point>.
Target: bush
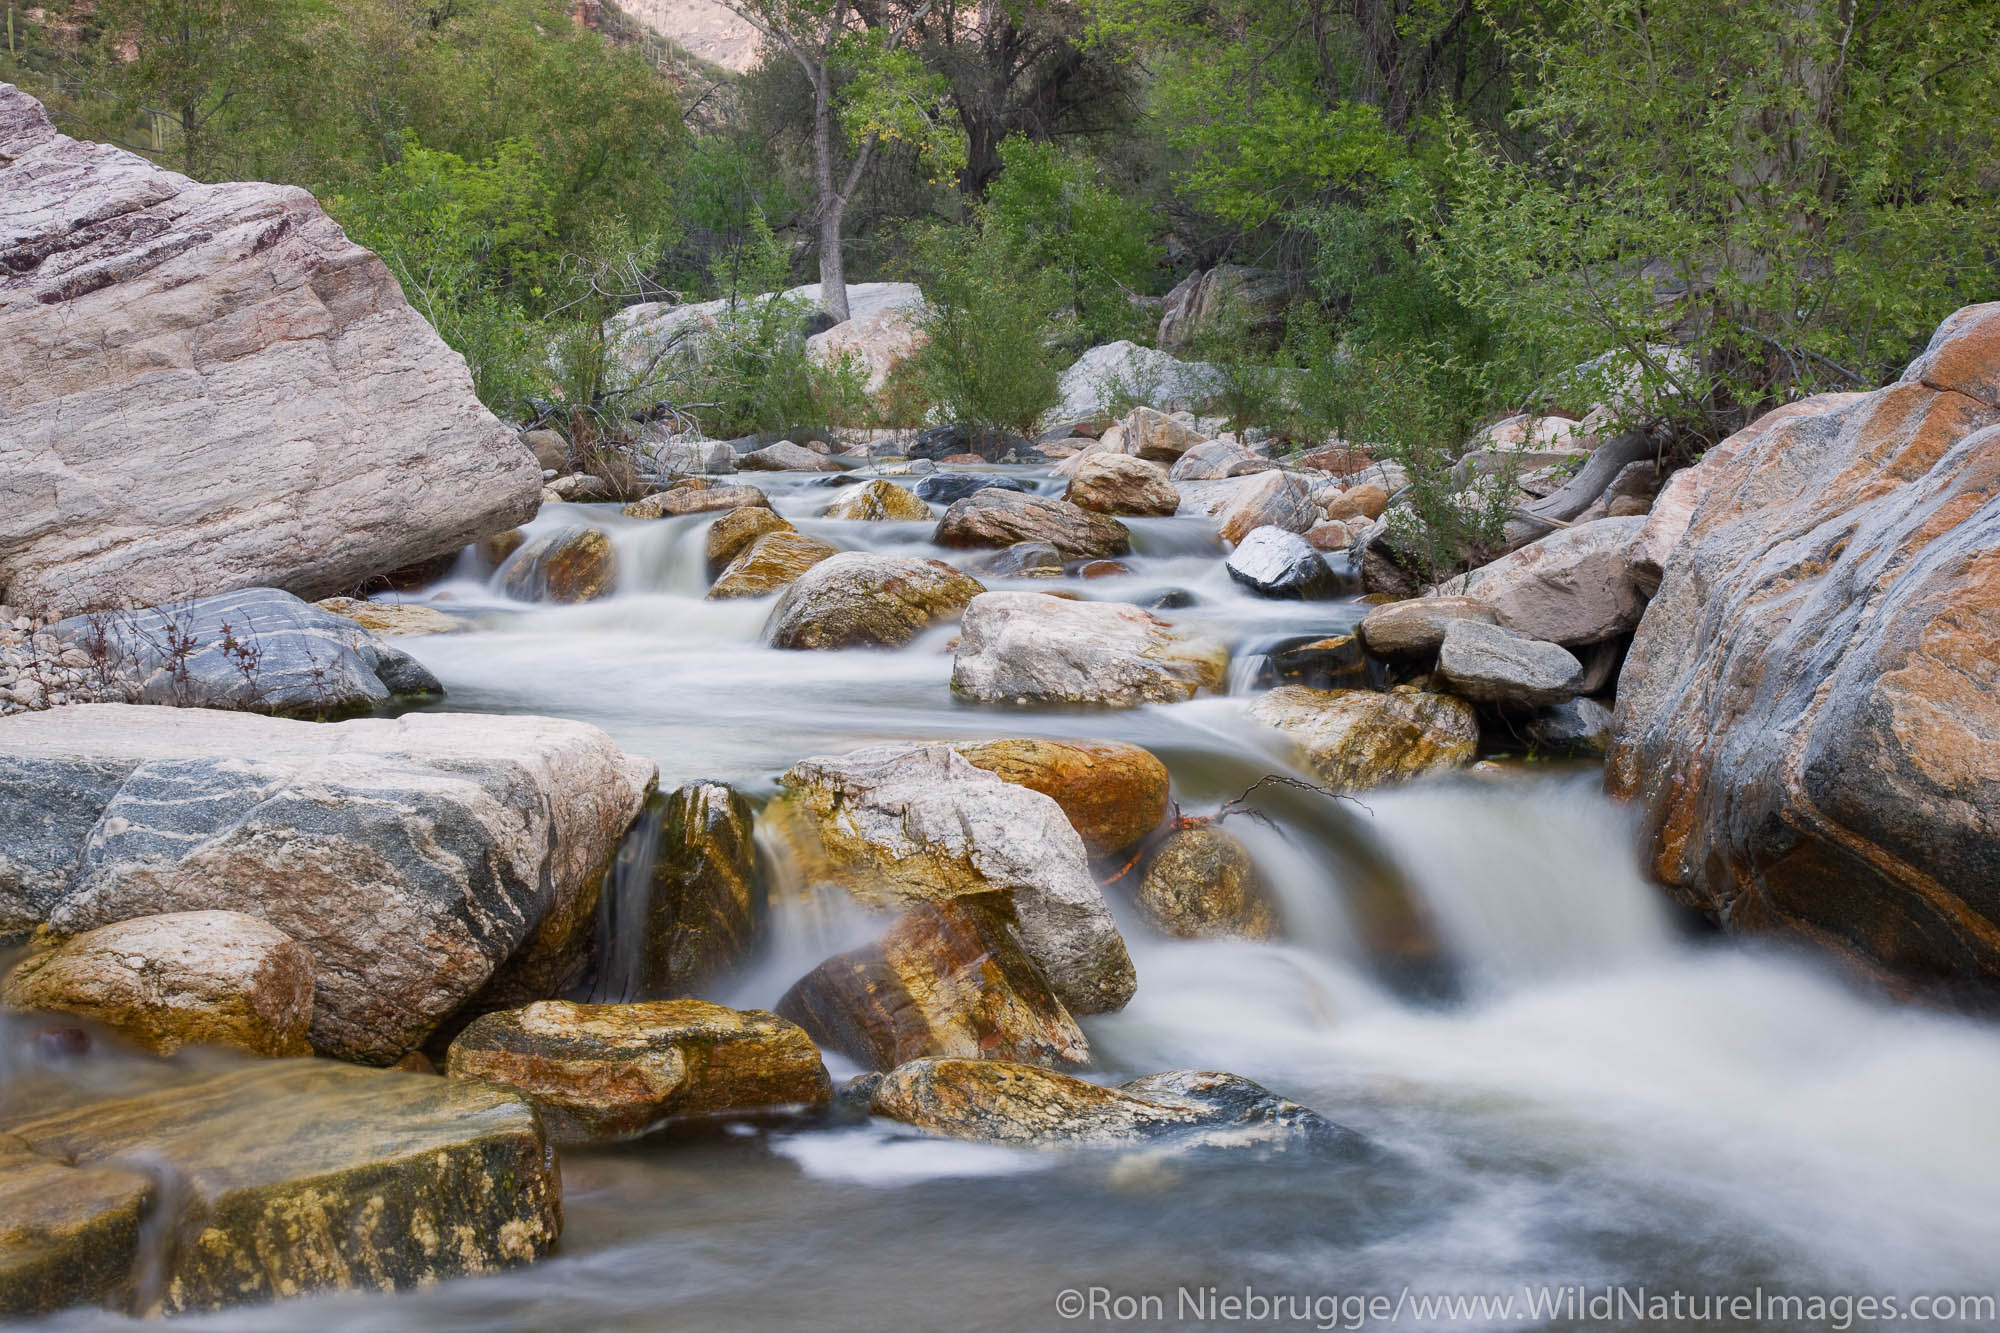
<point>752,374</point>
<point>987,360</point>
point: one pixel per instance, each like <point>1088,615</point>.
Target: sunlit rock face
<point>1809,719</point>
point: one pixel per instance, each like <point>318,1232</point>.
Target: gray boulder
<point>1028,647</point>
<point>1275,563</point>
<point>1493,665</point>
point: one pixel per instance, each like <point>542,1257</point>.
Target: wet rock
<point>1024,647</point>
<point>948,488</point>
<point>181,979</point>
<point>256,649</point>
<point>696,500</point>
<point>1218,459</point>
<point>879,500</point>
<point>730,535</point>
<point>1272,562</point>
<point>858,599</point>
<point>948,981</point>
<point>1809,715</point>
<point>1335,662</point>
<point>985,1101</point>
<point>599,1072</point>
<point>1001,518</point>
<point>1367,502</point>
<point>785,456</point>
<point>895,826</point>
<point>1121,484</point>
<point>775,560</point>
<point>1156,437</point>
<point>493,550</point>
<point>411,857</point>
<point>706,902</point>
<point>1415,628</point>
<point>1572,587</point>
<point>575,564</point>
<point>1492,665</point>
<point>211,387</point>
<point>285,1177</point>
<point>395,619</point>
<point>1202,884</point>
<point>1022,560</point>
<point>1113,794</point>
<point>1103,569</point>
<point>1575,726</point>
<point>1355,739</point>
<point>1242,505</point>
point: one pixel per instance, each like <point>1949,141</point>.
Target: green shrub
<point>988,358</point>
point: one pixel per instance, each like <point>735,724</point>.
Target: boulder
<point>1026,647</point>
<point>1572,587</point>
<point>895,826</point>
<point>1201,884</point>
<point>785,456</point>
<point>256,649</point>
<point>210,387</point>
<point>964,444</point>
<point>1366,501</point>
<point>550,449</point>
<point>412,858</point>
<point>1414,629</point>
<point>1272,562</point>
<point>775,560</point>
<point>1121,484</point>
<point>948,488</point>
<point>685,457</point>
<point>1493,665</point>
<point>1111,443</point>
<point>1326,663</point>
<point>948,981</point>
<point>731,534</point>
<point>278,1178</point>
<point>1153,435</point>
<point>1575,726</point>
<point>1355,739</point>
<point>492,550</point>
<point>1001,518</point>
<point>985,1101</point>
<point>1332,535</point>
<point>695,912</point>
<point>879,500</point>
<point>181,979</point>
<point>1122,371</point>
<point>1113,794</point>
<point>1809,716</point>
<point>858,599</point>
<point>1022,560</point>
<point>1228,299</point>
<point>574,564</point>
<point>674,502</point>
<point>876,342</point>
<point>600,1072</point>
<point>404,620</point>
<point>1241,505</point>
<point>1218,459</point>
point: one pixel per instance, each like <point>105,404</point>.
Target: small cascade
<point>624,907</point>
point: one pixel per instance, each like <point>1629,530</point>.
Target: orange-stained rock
<point>1113,794</point>
<point>1809,717</point>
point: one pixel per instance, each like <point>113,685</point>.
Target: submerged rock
<point>876,500</point>
<point>1357,738</point>
<point>180,979</point>
<point>598,1072</point>
<point>1113,794</point>
<point>895,826</point>
<point>278,1177</point>
<point>858,599</point>
<point>412,858</point>
<point>730,535</point>
<point>1121,484</point>
<point>211,387</point>
<point>1001,518</point>
<point>256,649</point>
<point>395,619</point>
<point>1492,665</point>
<point>1023,647</point>
<point>775,560</point>
<point>574,564</point>
<point>1275,563</point>
<point>689,499</point>
<point>1202,884</point>
<point>948,980</point>
<point>985,1101</point>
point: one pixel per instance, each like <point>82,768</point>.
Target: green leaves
<point>890,94</point>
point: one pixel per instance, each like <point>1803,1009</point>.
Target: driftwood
<point>1556,509</point>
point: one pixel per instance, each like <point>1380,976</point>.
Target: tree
<point>867,88</point>
<point>194,65</point>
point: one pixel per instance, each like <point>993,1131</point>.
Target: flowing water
<point>1581,1091</point>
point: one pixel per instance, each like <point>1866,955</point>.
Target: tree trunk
<point>832,204</point>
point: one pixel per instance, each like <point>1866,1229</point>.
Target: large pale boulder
<point>1024,647</point>
<point>1358,738</point>
<point>1218,459</point>
<point>1107,374</point>
<point>259,1180</point>
<point>1156,437</point>
<point>858,599</point>
<point>610,1071</point>
<point>413,858</point>
<point>1227,299</point>
<point>1572,587</point>
<point>181,979</point>
<point>210,387</point>
<point>1415,628</point>
<point>1809,717</point>
<point>1108,483</point>
<point>894,826</point>
<point>875,342</point>
<point>994,517</point>
<point>1241,505</point>
<point>650,330</point>
<point>785,456</point>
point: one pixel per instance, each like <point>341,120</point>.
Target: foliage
<point>1052,214</point>
<point>752,374</point>
<point>987,360</point>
